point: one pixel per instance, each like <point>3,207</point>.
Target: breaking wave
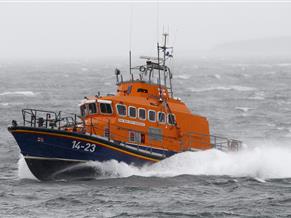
<point>262,162</point>
<point>258,96</point>
<point>23,93</point>
<point>223,88</point>
<point>5,104</point>
<point>183,76</point>
<point>244,109</point>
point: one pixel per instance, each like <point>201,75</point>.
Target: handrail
<point>50,119</point>
<point>218,142</point>
<point>188,141</point>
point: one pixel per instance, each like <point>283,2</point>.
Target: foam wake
<point>259,162</point>
<point>262,162</point>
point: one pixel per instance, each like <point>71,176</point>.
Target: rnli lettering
<point>131,122</point>
<point>77,145</point>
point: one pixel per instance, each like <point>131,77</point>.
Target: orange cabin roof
<point>151,97</point>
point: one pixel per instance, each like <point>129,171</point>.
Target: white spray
<point>262,162</point>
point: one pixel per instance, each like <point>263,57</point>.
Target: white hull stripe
<point>53,158</point>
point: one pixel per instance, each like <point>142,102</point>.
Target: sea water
<point>250,101</point>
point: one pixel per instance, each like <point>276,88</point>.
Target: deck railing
<point>62,121</point>
<point>50,119</point>
<point>218,142</point>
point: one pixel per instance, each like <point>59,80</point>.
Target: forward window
<point>105,108</point>
<point>152,116</point>
<point>83,110</point>
<point>171,119</point>
<point>141,114</point>
<point>92,108</point>
<point>121,109</point>
<point>132,112</point>
<point>161,117</point>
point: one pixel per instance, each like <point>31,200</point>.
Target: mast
<point>131,75</point>
<point>166,55</point>
<point>164,61</point>
<point>158,46</point>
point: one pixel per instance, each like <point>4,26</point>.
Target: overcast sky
<point>92,30</point>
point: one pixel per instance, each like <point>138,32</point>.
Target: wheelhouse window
<point>92,108</point>
<point>152,116</point>
<point>161,117</point>
<point>171,119</point>
<point>132,112</point>
<point>121,109</point>
<point>141,114</point>
<point>105,108</point>
<point>83,110</point>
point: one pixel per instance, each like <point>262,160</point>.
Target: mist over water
<point>247,101</point>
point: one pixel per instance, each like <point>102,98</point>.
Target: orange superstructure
<point>145,112</point>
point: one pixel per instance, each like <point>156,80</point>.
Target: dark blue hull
<point>48,152</point>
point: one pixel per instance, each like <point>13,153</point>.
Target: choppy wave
<point>223,88</point>
<point>244,109</point>
<point>183,76</point>
<point>217,76</point>
<point>262,162</point>
<point>258,96</point>
<point>5,104</point>
<point>24,93</point>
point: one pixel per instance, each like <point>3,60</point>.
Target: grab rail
<point>50,119</point>
<point>218,142</point>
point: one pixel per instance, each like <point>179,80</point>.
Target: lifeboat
<point>142,123</point>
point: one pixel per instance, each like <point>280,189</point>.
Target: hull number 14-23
<point>87,147</point>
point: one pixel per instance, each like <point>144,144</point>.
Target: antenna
<point>164,62</point>
<point>130,65</point>
<point>158,48</point>
<point>167,53</point>
<point>158,19</point>
<point>130,39</point>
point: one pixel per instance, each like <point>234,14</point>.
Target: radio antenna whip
<point>130,39</point>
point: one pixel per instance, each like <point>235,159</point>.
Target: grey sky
<point>89,30</point>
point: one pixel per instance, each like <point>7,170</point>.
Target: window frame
<point>118,111</point>
<point>165,116</point>
<point>136,135</point>
<point>145,114</point>
<point>85,110</point>
<point>105,103</point>
<point>96,108</point>
<point>129,112</point>
<point>154,116</point>
<point>172,124</point>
